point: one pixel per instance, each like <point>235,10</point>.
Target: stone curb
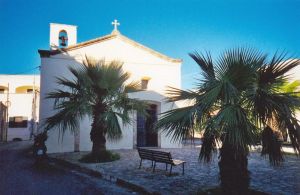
<point>97,174</point>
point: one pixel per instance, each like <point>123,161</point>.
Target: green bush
<point>105,156</point>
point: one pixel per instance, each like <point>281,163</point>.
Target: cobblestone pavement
<point>280,180</point>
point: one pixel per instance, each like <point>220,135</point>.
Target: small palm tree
<point>238,101</point>
<point>97,90</point>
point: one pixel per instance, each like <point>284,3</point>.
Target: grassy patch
<point>106,156</point>
<point>218,191</point>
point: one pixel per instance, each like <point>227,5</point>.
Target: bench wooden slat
<point>147,157</point>
<point>178,162</point>
<point>159,156</point>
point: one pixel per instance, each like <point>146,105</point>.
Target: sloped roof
<point>48,53</point>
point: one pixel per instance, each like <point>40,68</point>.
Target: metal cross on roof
<point>116,24</point>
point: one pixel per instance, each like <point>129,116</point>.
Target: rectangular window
<point>29,90</point>
<point>144,84</point>
<point>18,122</point>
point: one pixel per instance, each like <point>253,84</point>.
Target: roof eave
<point>48,53</point>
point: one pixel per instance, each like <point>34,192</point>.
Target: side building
<point>19,99</point>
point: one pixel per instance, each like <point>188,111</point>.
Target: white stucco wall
<point>20,102</point>
<point>139,62</point>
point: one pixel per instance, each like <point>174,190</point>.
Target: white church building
<point>155,71</point>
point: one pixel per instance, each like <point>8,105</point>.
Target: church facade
<point>154,70</point>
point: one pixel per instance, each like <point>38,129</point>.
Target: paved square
<point>280,180</point>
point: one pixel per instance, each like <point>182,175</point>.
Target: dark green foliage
<point>239,99</point>
<point>100,91</point>
<point>209,146</point>
<point>105,156</point>
<point>271,143</point>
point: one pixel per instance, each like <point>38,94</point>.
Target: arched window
<point>63,38</point>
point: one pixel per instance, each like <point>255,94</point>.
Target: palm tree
<point>237,102</point>
<point>97,90</point>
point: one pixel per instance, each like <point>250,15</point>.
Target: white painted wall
<point>50,68</point>
<point>137,61</point>
<point>128,139</point>
<point>20,104</point>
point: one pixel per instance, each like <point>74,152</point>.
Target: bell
<point>63,40</point>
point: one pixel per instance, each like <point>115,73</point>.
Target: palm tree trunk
<point>99,142</point>
<point>98,131</point>
<point>233,165</point>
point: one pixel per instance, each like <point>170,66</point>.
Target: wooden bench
<point>159,157</point>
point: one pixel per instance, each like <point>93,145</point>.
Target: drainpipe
<point>7,105</point>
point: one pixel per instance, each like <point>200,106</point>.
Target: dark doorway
<point>146,137</point>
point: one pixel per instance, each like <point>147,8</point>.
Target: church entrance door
<point>146,137</point>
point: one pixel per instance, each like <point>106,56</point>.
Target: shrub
<point>105,156</point>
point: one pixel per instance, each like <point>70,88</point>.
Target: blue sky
<point>174,28</point>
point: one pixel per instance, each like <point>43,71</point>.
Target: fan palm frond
<point>175,94</point>
<point>232,120</point>
<point>205,63</point>
<point>113,128</point>
<point>67,118</point>
<point>271,146</point>
<point>96,89</point>
<point>209,145</point>
<point>178,123</point>
<point>292,126</point>
<point>132,87</point>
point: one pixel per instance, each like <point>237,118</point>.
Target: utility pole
<point>7,105</point>
<point>33,113</point>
